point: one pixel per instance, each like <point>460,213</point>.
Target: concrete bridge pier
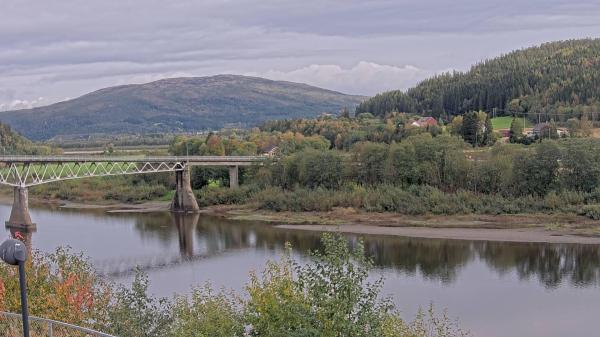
<point>184,200</point>
<point>19,215</point>
<point>234,173</point>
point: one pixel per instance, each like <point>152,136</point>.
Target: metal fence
<point>11,326</point>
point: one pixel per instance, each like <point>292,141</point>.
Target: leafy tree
<point>214,146</point>
<point>350,305</point>
<point>61,286</point>
<point>319,168</point>
<point>516,130</point>
<point>580,166</point>
<point>207,314</point>
<point>400,167</point>
<point>537,174</point>
<point>456,125</point>
<point>136,314</point>
<point>370,159</point>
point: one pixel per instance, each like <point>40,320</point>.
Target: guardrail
<point>45,159</point>
<point>43,327</point>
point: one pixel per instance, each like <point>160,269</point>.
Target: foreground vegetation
<point>329,296</point>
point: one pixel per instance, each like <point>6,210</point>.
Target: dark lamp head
<point>13,251</point>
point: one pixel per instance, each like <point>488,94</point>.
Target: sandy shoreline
<point>535,228</point>
<point>531,235</point>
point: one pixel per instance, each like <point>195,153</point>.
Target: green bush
<point>591,211</point>
<point>414,200</point>
<point>328,296</point>
<point>136,193</point>
<point>217,195</point>
<point>207,314</point>
<point>135,313</point>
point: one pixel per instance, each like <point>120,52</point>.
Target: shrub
<point>331,296</point>
<point>61,286</point>
<point>134,313</point>
<point>327,296</point>
<point>591,211</point>
<point>216,195</point>
<point>207,314</point>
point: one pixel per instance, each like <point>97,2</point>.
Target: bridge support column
<point>19,215</point>
<point>234,177</point>
<point>184,200</point>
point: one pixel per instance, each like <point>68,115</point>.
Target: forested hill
<point>178,104</point>
<point>13,143</point>
<point>560,79</point>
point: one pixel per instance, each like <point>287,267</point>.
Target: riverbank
<point>549,228</point>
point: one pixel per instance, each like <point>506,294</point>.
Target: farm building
<point>424,122</point>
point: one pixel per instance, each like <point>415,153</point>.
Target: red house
<point>424,122</point>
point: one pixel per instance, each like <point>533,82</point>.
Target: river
<point>493,288</point>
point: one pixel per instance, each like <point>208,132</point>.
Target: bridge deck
<point>191,160</point>
<point>24,171</point>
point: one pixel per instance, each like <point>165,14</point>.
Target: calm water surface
<point>495,289</point>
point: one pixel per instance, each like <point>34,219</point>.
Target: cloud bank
<point>68,48</point>
<point>364,78</point>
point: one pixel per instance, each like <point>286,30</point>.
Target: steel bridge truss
<point>25,174</point>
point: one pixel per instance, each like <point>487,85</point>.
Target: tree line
<point>557,80</point>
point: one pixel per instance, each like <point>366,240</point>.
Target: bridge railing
<point>11,326</point>
<point>25,159</point>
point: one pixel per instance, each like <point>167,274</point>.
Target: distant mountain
<point>178,104</point>
<point>557,80</point>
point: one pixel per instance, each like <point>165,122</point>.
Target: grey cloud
<point>69,47</point>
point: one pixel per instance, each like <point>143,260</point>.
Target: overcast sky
<point>55,50</point>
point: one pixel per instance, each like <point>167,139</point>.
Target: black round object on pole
<point>14,252</point>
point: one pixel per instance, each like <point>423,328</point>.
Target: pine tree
<point>470,128</point>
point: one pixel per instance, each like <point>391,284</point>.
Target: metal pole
<point>24,309</point>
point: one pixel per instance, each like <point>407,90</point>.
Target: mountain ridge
<point>181,104</point>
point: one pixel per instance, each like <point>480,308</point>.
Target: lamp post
<point>14,253</point>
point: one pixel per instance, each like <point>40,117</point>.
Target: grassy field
<point>504,122</point>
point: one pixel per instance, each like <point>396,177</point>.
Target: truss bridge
<point>22,172</point>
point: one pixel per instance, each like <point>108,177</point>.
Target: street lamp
<point>14,253</point>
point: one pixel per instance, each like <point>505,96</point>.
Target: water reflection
<point>578,265</point>
<point>201,236</point>
<point>440,260</point>
<point>495,288</point>
<point>209,235</point>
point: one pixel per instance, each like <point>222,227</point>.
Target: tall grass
<point>419,200</point>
